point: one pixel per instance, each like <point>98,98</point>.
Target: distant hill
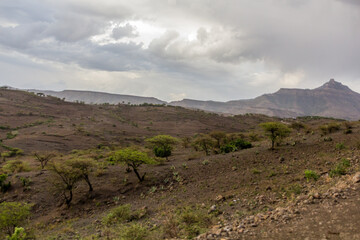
<point>91,97</point>
<point>332,99</point>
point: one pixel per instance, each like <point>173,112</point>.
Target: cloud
<point>124,31</point>
<point>225,49</point>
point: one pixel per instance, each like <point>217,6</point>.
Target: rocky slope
<point>330,100</point>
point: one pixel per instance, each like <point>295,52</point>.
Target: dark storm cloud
<point>231,41</point>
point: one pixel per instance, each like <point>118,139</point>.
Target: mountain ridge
<point>332,99</point>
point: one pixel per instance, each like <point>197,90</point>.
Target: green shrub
<point>4,187</point>
<point>235,145</point>
<point>19,234</point>
<point>340,168</point>
<point>193,221</point>
<point>12,215</point>
<point>310,174</point>
<point>15,166</point>
<point>13,152</point>
<point>12,134</point>
<point>122,214</point>
<point>135,231</point>
<point>340,146</point>
<point>329,128</point>
<point>118,215</point>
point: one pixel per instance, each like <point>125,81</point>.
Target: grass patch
<point>340,168</point>
<point>310,174</point>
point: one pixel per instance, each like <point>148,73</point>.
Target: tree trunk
<point>138,175</point>
<point>69,199</point>
<point>87,180</point>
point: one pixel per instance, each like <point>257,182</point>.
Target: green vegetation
<point>340,168</point>
<point>310,174</point>
<point>12,215</point>
<point>12,134</point>
<point>122,214</point>
<point>340,146</point>
<point>12,152</point>
<point>187,223</point>
<point>84,166</point>
<point>132,158</point>
<point>65,179</point>
<point>204,142</point>
<point>4,187</point>
<point>135,231</point>
<point>162,145</point>
<point>235,145</point>
<point>19,234</point>
<point>15,166</point>
<point>275,131</point>
<point>329,128</point>
<point>44,158</point>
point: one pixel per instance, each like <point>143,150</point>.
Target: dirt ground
<point>240,184</point>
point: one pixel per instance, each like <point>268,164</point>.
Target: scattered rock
<point>356,178</point>
<point>220,198</point>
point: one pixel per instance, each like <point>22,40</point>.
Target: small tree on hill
<point>132,158</point>
<point>44,158</point>
<point>65,178</point>
<point>85,166</point>
<point>162,145</point>
<point>12,215</point>
<point>205,143</point>
<point>275,131</point>
<point>219,136</point>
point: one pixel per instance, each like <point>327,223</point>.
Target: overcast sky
<point>174,49</point>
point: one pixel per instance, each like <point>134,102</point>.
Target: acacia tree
<point>219,136</point>
<point>44,158</point>
<point>162,145</point>
<point>65,179</point>
<point>85,166</point>
<point>275,131</point>
<point>204,142</point>
<point>12,215</point>
<point>132,158</point>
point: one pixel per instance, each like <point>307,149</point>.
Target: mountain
<point>332,99</point>
<point>91,97</point>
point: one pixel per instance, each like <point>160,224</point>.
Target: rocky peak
<point>332,84</point>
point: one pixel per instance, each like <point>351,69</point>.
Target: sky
<point>173,49</point>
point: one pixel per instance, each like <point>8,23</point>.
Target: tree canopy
<point>275,131</point>
<point>133,158</point>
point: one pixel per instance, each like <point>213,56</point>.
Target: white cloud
<point>206,49</point>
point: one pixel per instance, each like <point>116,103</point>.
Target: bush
<point>193,222</point>
<point>309,174</point>
<point>235,145</point>
<point>13,152</point>
<point>340,146</point>
<point>15,166</point>
<point>330,128</point>
<point>19,234</point>
<point>162,145</point>
<point>340,168</point>
<point>12,215</point>
<point>297,126</point>
<point>135,231</point>
<point>123,214</point>
<point>4,187</point>
<point>118,215</point>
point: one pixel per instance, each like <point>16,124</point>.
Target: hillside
<point>330,100</point>
<point>91,97</point>
<point>254,193</point>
